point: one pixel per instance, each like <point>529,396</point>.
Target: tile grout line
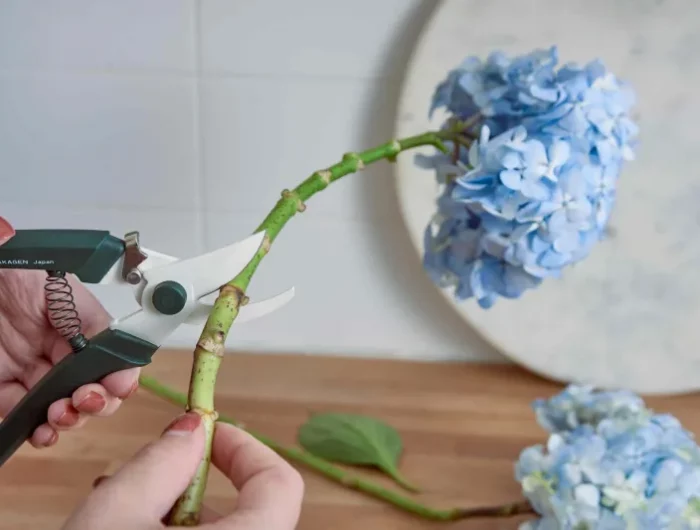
<point>154,73</point>
<point>200,188</point>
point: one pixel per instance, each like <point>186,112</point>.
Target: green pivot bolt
<point>169,297</point>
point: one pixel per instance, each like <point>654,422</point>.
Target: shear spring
<point>62,311</point>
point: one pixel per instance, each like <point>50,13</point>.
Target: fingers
<point>10,394</point>
<point>44,436</point>
<point>122,384</point>
<point>207,515</point>
<point>73,413</point>
<point>142,492</point>
<point>90,399</point>
<point>6,231</point>
<point>63,416</point>
<point>95,400</point>
<point>105,399</point>
<point>147,486</point>
<point>270,490</point>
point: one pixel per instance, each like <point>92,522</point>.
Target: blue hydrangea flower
<point>456,257</point>
<point>500,86</point>
<point>610,463</point>
<point>538,185</point>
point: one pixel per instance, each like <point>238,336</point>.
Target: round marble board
<point>629,315</point>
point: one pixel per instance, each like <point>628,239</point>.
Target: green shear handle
<point>108,352</point>
<point>89,254</point>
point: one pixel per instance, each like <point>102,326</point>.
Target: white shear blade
<point>199,276</point>
<point>246,313</point>
<point>148,326</point>
<point>208,272</point>
<point>252,311</point>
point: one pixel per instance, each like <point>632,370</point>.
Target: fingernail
<point>6,231</point>
<point>92,403</point>
<point>132,390</point>
<point>184,424</point>
<point>47,441</point>
<point>52,439</point>
<point>68,418</point>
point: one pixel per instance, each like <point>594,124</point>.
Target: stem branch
<point>210,347</point>
<point>348,479</point>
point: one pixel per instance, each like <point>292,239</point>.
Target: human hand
<point>30,346</point>
<point>140,495</point>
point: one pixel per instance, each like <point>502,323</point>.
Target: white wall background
<point>185,119</point>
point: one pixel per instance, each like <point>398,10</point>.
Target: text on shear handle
<point>25,262</point>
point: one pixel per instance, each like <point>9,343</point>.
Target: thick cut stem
<point>210,346</point>
<point>351,481</point>
<point>207,359</point>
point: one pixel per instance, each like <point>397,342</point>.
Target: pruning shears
<point>169,290</point>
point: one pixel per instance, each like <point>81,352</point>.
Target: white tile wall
<point>185,119</point>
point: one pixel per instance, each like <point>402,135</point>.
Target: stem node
<point>354,159</point>
<point>324,176</point>
<point>213,345</point>
<point>232,291</point>
<point>293,195</point>
<point>210,415</point>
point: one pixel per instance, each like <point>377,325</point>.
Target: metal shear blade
<point>197,278</point>
<point>199,315</point>
<point>246,313</point>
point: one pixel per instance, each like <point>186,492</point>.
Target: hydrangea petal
<point>534,189</point>
<point>511,178</point>
<point>559,153</point>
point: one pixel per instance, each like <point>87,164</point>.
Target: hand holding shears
<point>80,349</point>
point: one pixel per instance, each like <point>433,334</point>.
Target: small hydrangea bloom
<point>610,463</point>
<point>534,192</point>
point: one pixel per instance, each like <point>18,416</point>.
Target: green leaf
<point>355,440</point>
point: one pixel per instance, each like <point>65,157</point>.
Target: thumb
<point>6,231</point>
<point>148,485</point>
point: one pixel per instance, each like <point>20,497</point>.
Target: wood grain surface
<point>463,426</point>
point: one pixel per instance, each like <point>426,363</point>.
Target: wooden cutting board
<point>463,426</point>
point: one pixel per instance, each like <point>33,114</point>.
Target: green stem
<point>210,347</point>
<point>204,369</point>
<point>346,478</point>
